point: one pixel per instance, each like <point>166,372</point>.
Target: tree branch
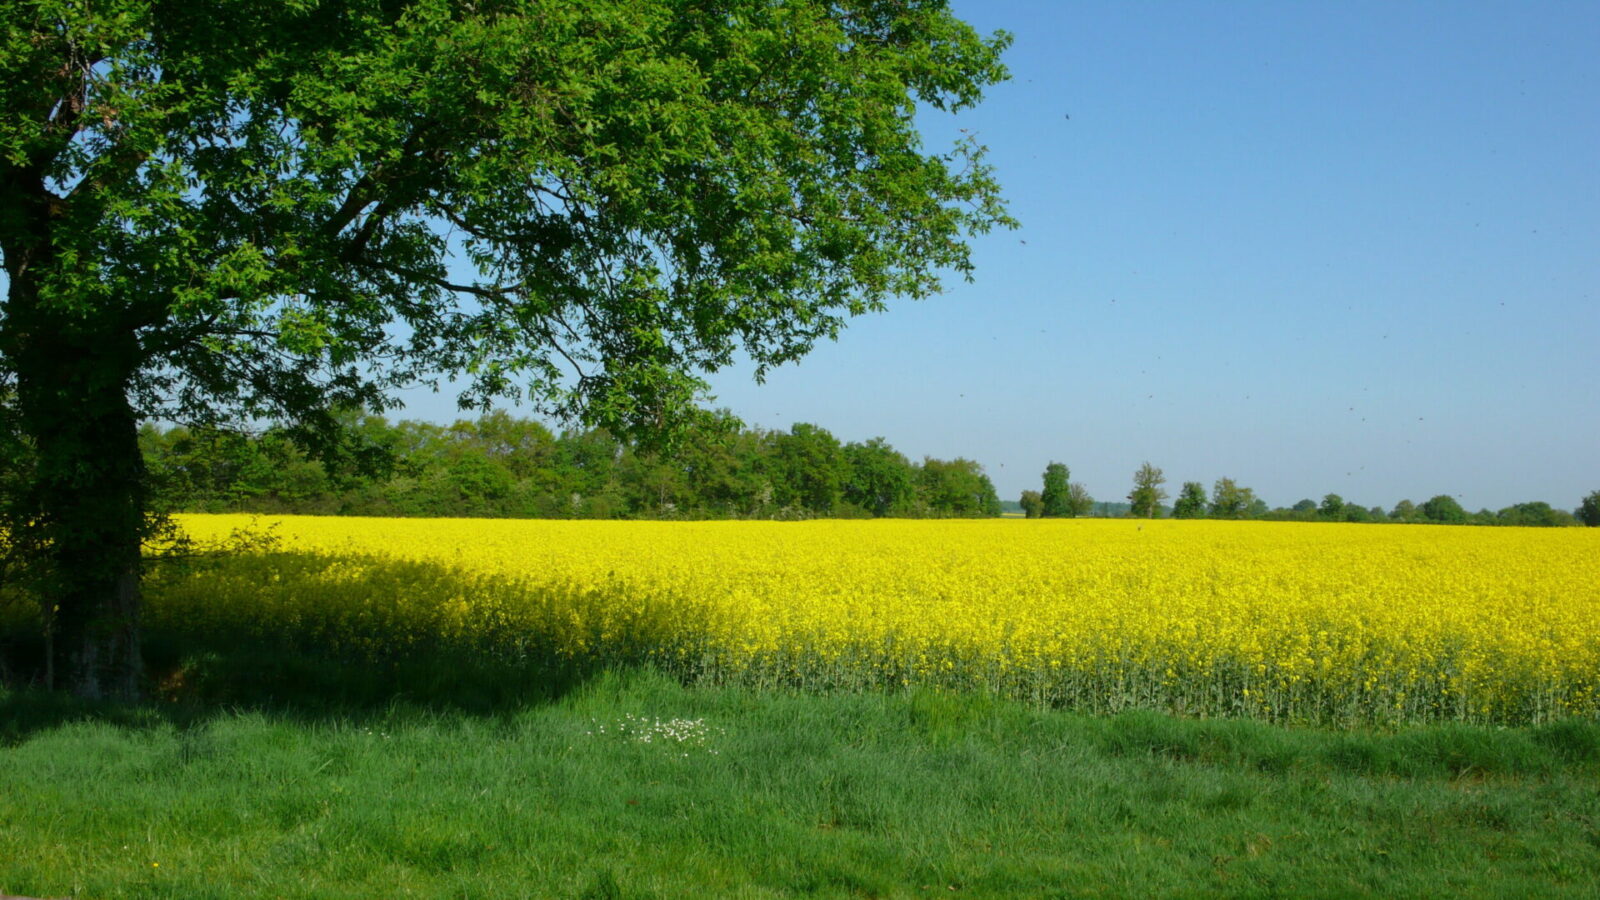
<point>498,292</point>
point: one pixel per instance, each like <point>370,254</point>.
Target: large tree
<point>1032,504</point>
<point>1079,500</point>
<point>217,210</point>
<point>957,487</point>
<point>1056,498</point>
<point>1191,502</point>
<point>808,468</point>
<point>1588,511</point>
<point>1230,501</point>
<point>880,480</point>
<point>1147,493</point>
<point>1444,509</point>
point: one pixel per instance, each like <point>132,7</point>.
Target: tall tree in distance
<point>1056,499</point>
<point>1147,492</point>
<point>1332,507</point>
<point>213,212</point>
<point>1191,502</point>
<point>1444,510</point>
<point>1079,503</point>
<point>1230,501</point>
<point>1588,512</point>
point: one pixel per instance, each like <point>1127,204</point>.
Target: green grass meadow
<point>628,784</point>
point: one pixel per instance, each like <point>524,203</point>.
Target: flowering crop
<point>1286,621</point>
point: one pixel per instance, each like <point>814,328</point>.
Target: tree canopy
<point>582,204</point>
<point>1055,499</point>
<point>1445,509</point>
<point>500,465</point>
<point>1230,501</point>
<point>1588,511</point>
<point>1147,493</point>
<point>214,211</point>
<point>1191,502</point>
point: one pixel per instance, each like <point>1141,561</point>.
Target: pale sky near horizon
<point>1345,247</point>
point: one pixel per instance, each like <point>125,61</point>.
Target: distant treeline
<point>500,465</point>
<point>1230,500</point>
<point>1443,510</point>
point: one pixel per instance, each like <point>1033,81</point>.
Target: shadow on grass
<point>310,637</point>
<point>317,638</point>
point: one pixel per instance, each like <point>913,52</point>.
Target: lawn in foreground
<point>631,785</point>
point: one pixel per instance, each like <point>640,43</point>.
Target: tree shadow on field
<point>317,637</point>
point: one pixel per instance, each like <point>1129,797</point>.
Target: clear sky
<point>1340,247</point>
<point>1316,247</point>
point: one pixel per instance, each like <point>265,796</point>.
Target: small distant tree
<point>1332,507</point>
<point>1147,492</point>
<point>1588,512</point>
<point>1079,503</point>
<point>1404,511</point>
<point>1444,510</point>
<point>1055,496</point>
<point>1191,502</point>
<point>1229,501</point>
<point>1032,505</point>
<point>1307,506</point>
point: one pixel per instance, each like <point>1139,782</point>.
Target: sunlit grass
<point>739,793</point>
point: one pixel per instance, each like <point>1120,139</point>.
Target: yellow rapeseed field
<point>1285,621</point>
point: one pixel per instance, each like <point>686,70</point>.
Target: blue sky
<point>1340,247</point>
<point>1334,247</point>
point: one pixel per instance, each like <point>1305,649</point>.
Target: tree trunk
<point>88,496</point>
<point>83,508</point>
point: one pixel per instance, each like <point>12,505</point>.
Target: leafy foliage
<point>1147,492</point>
<point>1191,502</point>
<point>498,465</point>
<point>1056,497</point>
<point>1032,504</point>
<point>1444,509</point>
<point>280,200</point>
<point>214,212</point>
<point>1079,501</point>
<point>1230,501</point>
<point>1588,511</point>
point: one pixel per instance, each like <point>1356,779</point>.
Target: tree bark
<point>88,496</point>
<point>84,506</point>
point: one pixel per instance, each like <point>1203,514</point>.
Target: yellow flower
<point>1340,622</point>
